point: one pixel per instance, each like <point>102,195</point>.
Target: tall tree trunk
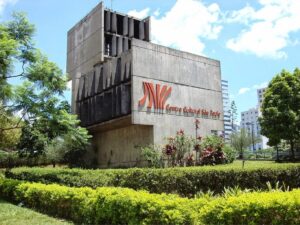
<point>292,151</point>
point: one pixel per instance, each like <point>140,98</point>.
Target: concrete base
<point>121,147</point>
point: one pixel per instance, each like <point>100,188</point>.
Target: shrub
<point>12,159</point>
<point>177,148</point>
<point>254,208</point>
<point>152,154</point>
<point>230,153</point>
<point>212,153</point>
<point>126,206</point>
<point>103,205</point>
<point>183,181</point>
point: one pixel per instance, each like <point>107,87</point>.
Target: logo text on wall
<point>157,96</point>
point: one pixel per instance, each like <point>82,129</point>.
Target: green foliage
<point>11,159</point>
<point>126,206</point>
<point>212,151</point>
<point>103,205</point>
<point>213,141</point>
<point>177,148</point>
<point>253,208</point>
<point>240,141</point>
<point>56,151</point>
<point>230,153</point>
<point>153,155</point>
<point>185,181</point>
<point>9,138</point>
<point>280,109</point>
<point>44,115</point>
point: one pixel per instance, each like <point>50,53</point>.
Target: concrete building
<point>226,110</point>
<point>249,121</point>
<point>130,92</point>
<point>260,97</point>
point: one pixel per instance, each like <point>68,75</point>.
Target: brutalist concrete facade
<point>130,92</point>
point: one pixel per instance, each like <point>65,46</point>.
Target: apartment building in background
<point>249,121</point>
<point>226,110</point>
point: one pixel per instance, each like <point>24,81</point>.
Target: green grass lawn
<point>15,215</point>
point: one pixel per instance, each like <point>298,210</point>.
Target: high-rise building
<point>260,97</point>
<point>249,121</point>
<point>226,110</point>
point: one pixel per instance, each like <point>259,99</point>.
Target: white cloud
<point>156,13</point>
<point>259,86</point>
<point>139,14</point>
<point>268,28</point>
<point>4,3</point>
<point>254,87</point>
<point>243,90</point>
<point>185,25</point>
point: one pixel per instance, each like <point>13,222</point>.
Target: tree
<point>8,137</point>
<point>43,114</point>
<point>233,114</point>
<point>280,109</point>
<point>242,140</point>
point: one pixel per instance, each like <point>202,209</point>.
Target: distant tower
<point>226,109</point>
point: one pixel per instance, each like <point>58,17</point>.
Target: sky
<point>253,39</point>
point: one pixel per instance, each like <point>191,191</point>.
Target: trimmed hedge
<point>254,208</point>
<point>126,206</point>
<point>183,181</point>
<point>103,205</point>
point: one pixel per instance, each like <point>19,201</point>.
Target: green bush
<point>254,208</point>
<point>12,159</point>
<point>183,181</point>
<point>230,153</point>
<point>103,205</point>
<point>153,155</point>
<point>125,206</point>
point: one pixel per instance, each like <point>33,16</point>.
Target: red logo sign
<point>156,96</point>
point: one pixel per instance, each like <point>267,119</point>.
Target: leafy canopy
<point>281,109</point>
<point>43,115</point>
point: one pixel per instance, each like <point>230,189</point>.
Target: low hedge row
<point>125,206</point>
<point>102,205</point>
<point>183,181</point>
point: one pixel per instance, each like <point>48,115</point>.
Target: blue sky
<point>254,39</point>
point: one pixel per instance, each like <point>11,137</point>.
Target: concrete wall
<point>85,46</point>
<point>121,147</point>
<point>195,82</point>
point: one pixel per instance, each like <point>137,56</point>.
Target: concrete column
<point>147,30</point>
<point>142,30</point>
<point>80,94</point>
<point>114,22</point>
<point>125,45</point>
<point>86,86</point>
<point>125,25</point>
<point>114,46</point>
<point>107,21</point>
<point>120,45</point>
<point>131,27</point>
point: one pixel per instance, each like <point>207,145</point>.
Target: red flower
<point>180,132</point>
